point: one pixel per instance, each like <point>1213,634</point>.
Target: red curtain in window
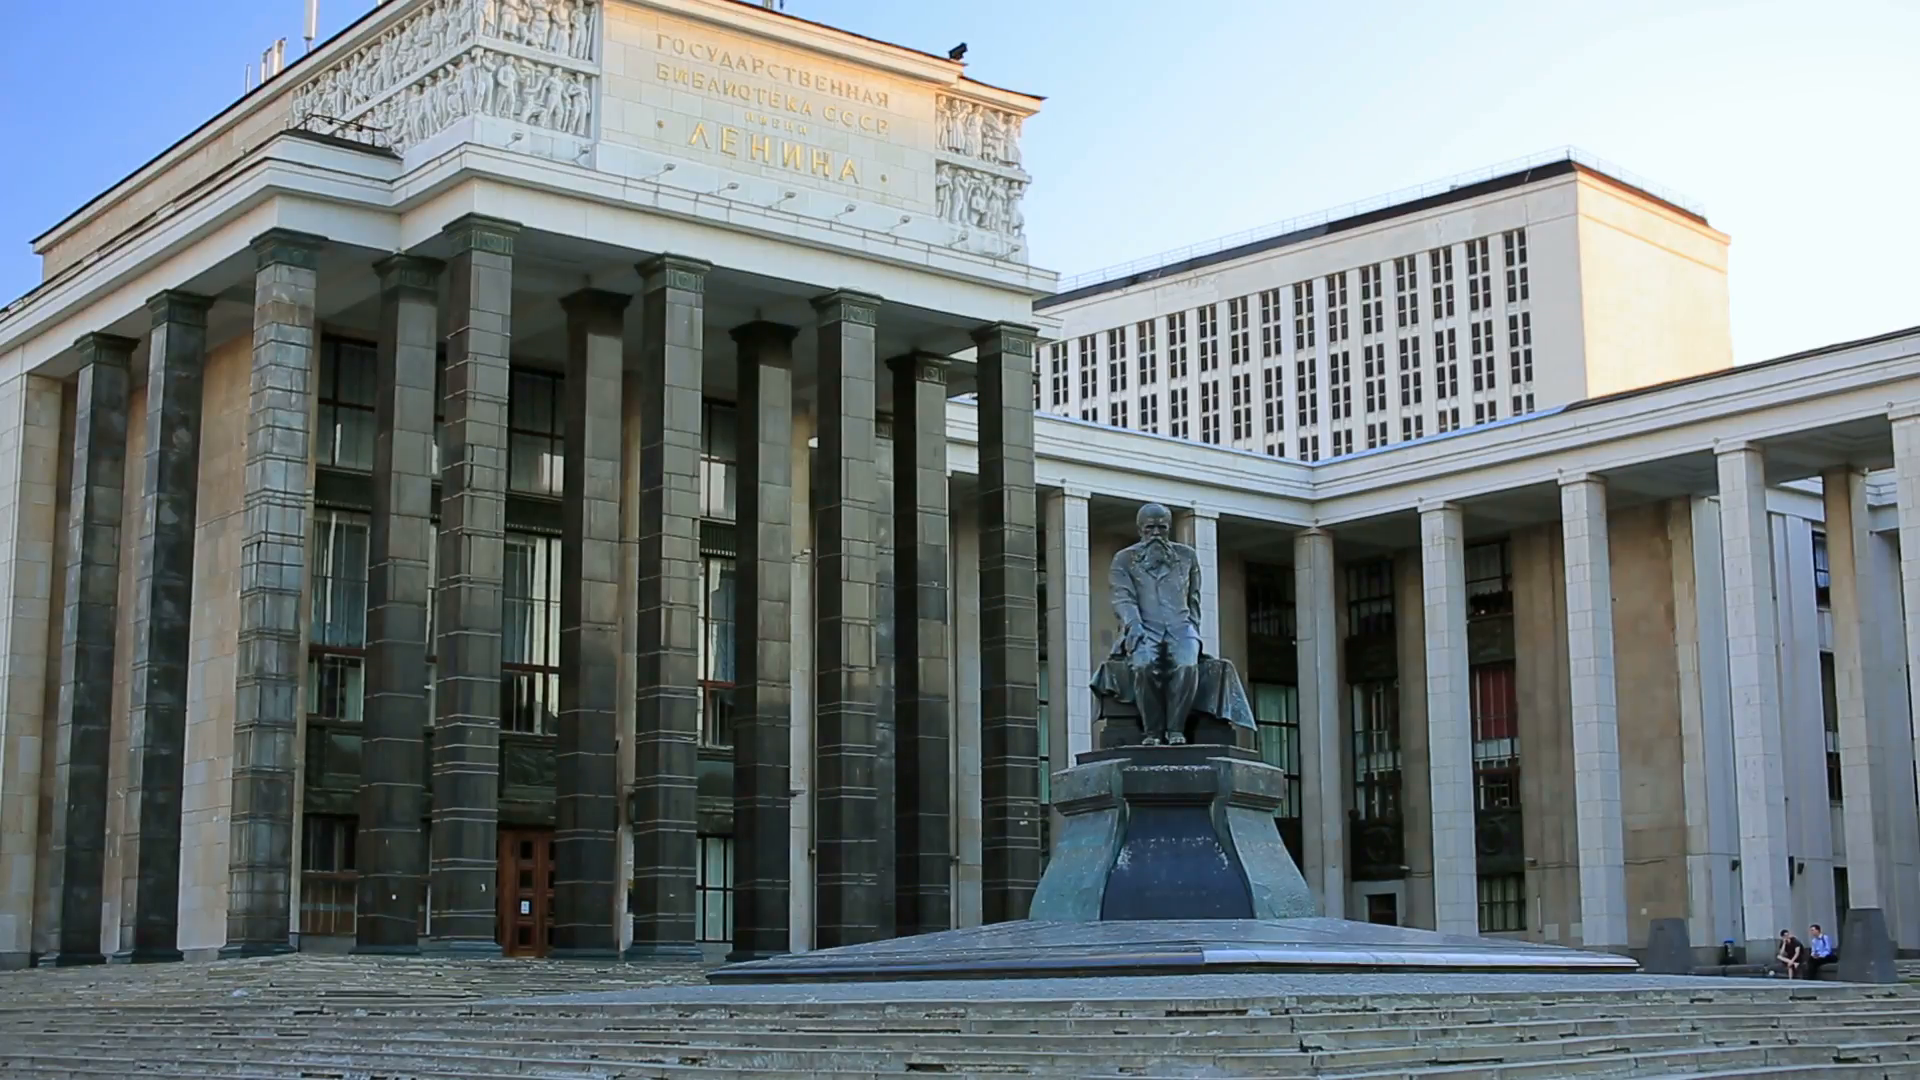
<point>1496,702</point>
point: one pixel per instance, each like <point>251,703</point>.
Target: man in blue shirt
<point>1822,948</point>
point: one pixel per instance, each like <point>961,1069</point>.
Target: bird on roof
<point>958,52</point>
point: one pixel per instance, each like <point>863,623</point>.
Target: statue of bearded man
<point>1156,594</point>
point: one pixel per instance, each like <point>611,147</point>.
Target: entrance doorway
<point>526,892</point>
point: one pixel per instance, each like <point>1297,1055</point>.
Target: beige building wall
<point>1543,687</point>
<point>1653,291</point>
<point>1233,611</point>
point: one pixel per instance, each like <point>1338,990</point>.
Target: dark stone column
<point>273,573</point>
<point>77,826</point>
<point>162,631</point>
<point>391,847</point>
<point>885,660</point>
<point>923,848</point>
<point>473,502</point>
<point>763,654</point>
<point>1009,625</point>
<point>587,784</point>
<point>665,846</point>
<point>847,901</point>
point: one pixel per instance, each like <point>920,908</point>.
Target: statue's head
<point>1154,521</point>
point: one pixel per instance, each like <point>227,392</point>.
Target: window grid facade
<point>1336,301</point>
<point>1057,373</point>
<point>1479,276</point>
<point>1446,365</point>
<point>1150,413</point>
<point>1117,360</point>
<point>1176,345</point>
<point>1210,411</point>
<point>1373,304</point>
<point>1119,413</point>
<point>1309,448</point>
<point>1406,292</point>
<point>344,393</point>
<point>530,634</point>
<point>1503,903</point>
<point>1146,339</point>
<point>1177,412</point>
<point>1303,319</point>
<point>1242,388</point>
<point>1340,386</point>
<point>1520,361</point>
<point>1515,244</point>
<point>1409,372</point>
<point>1270,340</point>
<point>536,433</point>
<point>1085,350</point>
<point>1440,275</point>
<point>1376,703</point>
<point>1239,332</point>
<point>1373,375</point>
<point>1272,402</point>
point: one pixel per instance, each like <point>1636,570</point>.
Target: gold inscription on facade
<point>746,63</point>
<point>769,98</point>
<point>800,157</point>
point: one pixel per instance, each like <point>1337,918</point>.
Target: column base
<point>385,950</point>
<point>248,949</point>
<point>141,955</point>
<point>585,953</point>
<point>460,947</point>
<point>663,951</point>
<point>70,959</point>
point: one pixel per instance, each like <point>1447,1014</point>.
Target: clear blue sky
<point>1168,123</point>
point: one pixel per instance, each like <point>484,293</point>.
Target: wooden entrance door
<point>526,891</point>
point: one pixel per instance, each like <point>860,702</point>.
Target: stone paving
<point>359,1018</point>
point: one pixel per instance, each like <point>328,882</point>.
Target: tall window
<point>1275,415</point>
<point>716,651</point>
<point>1177,412</point>
<point>1446,364</point>
<point>1150,413</point>
<point>1413,427</point>
<point>1480,349</point>
<point>1117,360</point>
<point>536,427</point>
<point>1276,710</point>
<point>1503,903</point>
<point>1146,339</point>
<point>1376,702</point>
<point>343,432</point>
<point>1119,409</point>
<point>1406,291</point>
<point>337,636</point>
<point>1515,243</point>
<point>530,634</point>
<point>1409,371</point>
<point>1242,405</point>
<point>1309,448</point>
<point>1206,336</point>
<point>1373,316</point>
<point>1210,411</point>
<point>1306,378</point>
<point>1479,276</point>
<point>1343,442</point>
<point>1440,274</point>
<point>1830,723</point>
<point>718,453</point>
<point>713,889</point>
<point>1057,372</point>
<point>1336,308</point>
<point>329,877</point>
<point>1492,689</point>
<point>1822,572</point>
<point>1239,333</point>
<point>1340,385</point>
<point>1302,316</point>
<point>1177,345</point>
<point>1373,374</point>
<point>1089,379</point>
<point>1520,360</point>
<point>1270,323</point>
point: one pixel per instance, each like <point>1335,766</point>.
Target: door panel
<point>526,892</point>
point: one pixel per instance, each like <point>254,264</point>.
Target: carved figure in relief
<point>490,18</point>
<point>540,26</point>
<point>511,19</point>
<point>943,194</point>
<point>1012,149</point>
<point>970,130</point>
<point>1016,221</point>
<point>993,134</point>
<point>581,19</point>
<point>506,89</point>
<point>579,106</point>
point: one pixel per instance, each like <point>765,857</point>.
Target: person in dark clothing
<point>1820,951</point>
<point>1792,955</point>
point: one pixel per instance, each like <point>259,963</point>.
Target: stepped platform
<point>358,1018</point>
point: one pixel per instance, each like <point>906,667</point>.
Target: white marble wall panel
<point>1069,561</point>
<point>1596,721</point>
<point>1449,720</point>
<point>1323,803</point>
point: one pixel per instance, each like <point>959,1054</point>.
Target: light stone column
<point>586,923</point>
<point>162,631</point>
<point>1456,898</point>
<point>800,904</point>
<point>1069,633</point>
<point>278,503</point>
<point>763,650</point>
<point>1596,721</point>
<point>464,869</point>
<point>1323,808</point>
<point>77,823</point>
<point>923,686</point>
<point>1706,721</point>
<point>30,408</point>
<point>1876,780</point>
<point>1753,668</point>
<point>968,899</point>
<point>1906,469</point>
<point>1200,528</point>
<point>664,803</point>
<point>391,845</point>
<point>845,598</point>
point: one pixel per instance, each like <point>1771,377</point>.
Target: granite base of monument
<point>1169,864</point>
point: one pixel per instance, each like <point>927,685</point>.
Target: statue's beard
<point>1158,553</point>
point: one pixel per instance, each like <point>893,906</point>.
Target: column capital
<point>181,308</point>
<point>1902,410</point>
<point>1723,447</point>
<point>591,302</point>
<point>926,367</point>
<point>1569,479</point>
<point>1198,512</point>
<point>109,349</point>
<point>478,232</point>
<point>668,271</point>
<point>287,247</point>
<point>1014,338</point>
<point>1068,491</point>
<point>847,305</point>
<point>1438,506</point>
<point>408,272</point>
<point>769,342</point>
<point>1314,532</point>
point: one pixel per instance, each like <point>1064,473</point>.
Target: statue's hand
<point>1131,636</point>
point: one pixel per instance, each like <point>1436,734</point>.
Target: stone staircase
<point>344,1018</point>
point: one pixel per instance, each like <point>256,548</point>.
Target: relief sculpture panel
<point>529,61</point>
<point>978,181</point>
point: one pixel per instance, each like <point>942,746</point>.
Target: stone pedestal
<point>1866,951</point>
<point>1170,832</point>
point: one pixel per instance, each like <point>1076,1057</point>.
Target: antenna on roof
<point>774,5</point>
<point>313,23</point>
<point>273,60</point>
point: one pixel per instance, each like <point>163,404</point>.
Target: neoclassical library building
<point>603,478</point>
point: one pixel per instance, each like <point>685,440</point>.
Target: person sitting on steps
<point>1821,950</point>
<point>1792,955</point>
